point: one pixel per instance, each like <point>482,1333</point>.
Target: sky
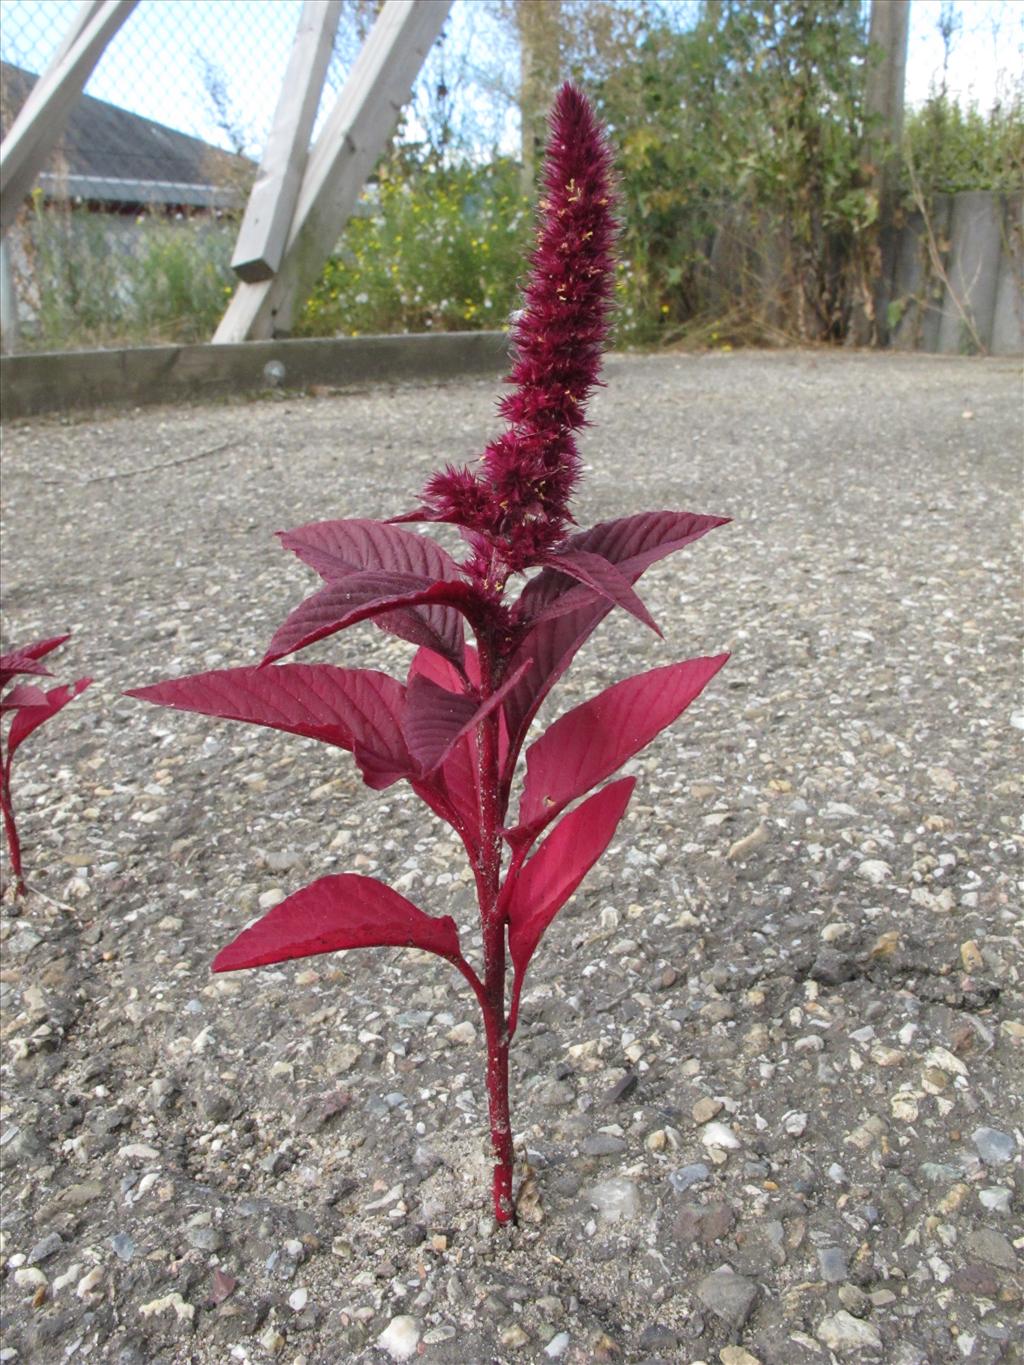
<point>986,50</point>
<point>159,64</point>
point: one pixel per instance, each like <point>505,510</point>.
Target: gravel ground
<point>768,1080</point>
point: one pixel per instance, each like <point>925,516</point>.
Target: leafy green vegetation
<point>97,280</point>
<point>950,149</point>
<point>436,249</point>
<point>740,154</point>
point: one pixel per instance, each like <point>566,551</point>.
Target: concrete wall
<point>959,289</point>
<point>63,381</point>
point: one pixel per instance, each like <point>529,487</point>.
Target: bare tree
<point>539,26</point>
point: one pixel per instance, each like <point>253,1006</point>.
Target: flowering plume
<point>515,510</point>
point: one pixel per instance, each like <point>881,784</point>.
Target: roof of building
<point>109,155</point>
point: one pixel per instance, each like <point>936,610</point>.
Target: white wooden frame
<point>349,144</point>
<point>268,214</point>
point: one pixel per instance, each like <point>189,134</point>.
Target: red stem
<point>13,842</point>
<point>492,920</point>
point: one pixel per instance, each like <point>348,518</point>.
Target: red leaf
<point>552,644</point>
<point>362,596</point>
<point>596,572</point>
<point>25,694</point>
<point>451,792</point>
<point>30,717</point>
<point>461,813</point>
<point>338,548</point>
<point>585,746</point>
<point>633,544</point>
<point>556,870</point>
<point>25,658</point>
<point>353,708</point>
<point>427,665</point>
<point>345,911</point>
<point>436,717</point>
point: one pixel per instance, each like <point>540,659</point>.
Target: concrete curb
<point>63,381</point>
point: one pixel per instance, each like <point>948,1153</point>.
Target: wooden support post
<point>9,322</point>
<point>888,33</point>
<point>40,123</point>
<point>268,214</point>
<point>343,156</point>
<point>539,25</point>
<point>883,106</point>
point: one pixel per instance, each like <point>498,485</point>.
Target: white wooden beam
<point>345,152</point>
<point>40,122</point>
<point>268,214</point>
<point>82,16</point>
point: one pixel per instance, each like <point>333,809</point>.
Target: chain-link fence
<point>211,69</point>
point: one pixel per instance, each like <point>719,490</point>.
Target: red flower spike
<point>455,727</point>
<point>519,500</point>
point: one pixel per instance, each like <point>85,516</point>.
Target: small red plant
<point>30,706</point>
<point>455,727</point>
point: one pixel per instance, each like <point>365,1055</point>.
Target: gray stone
<point>995,1198</point>
<point>123,1245</point>
<point>832,1262</point>
<point>400,1338</point>
<point>77,1196</point>
<point>614,1199</point>
<point>992,1247</point>
<point>687,1177</point>
<point>994,1147</point>
<point>554,1095</point>
<point>875,871</point>
<point>45,1248</point>
<point>204,1238</point>
<point>282,860</point>
<point>657,1337</point>
<point>794,1123</point>
<point>832,968</point>
<point>23,941</point>
<point>622,1089</point>
<point>854,1298</point>
<point>603,1144</point>
<point>845,1334</point>
<point>730,1297</point>
<point>939,1172</point>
